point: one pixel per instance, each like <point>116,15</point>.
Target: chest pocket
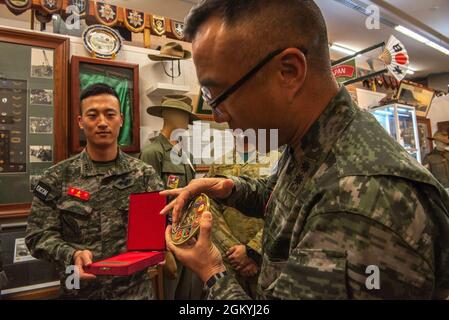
<point>76,219</point>
<point>120,197</point>
<point>171,168</point>
<point>124,183</point>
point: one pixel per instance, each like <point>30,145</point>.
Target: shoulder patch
<point>42,190</point>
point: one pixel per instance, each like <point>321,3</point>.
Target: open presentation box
<point>146,238</point>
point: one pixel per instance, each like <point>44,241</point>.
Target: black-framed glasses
<point>214,103</point>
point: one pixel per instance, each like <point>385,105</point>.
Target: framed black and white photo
<point>41,63</point>
<point>41,125</point>
<point>21,252</point>
<point>41,154</point>
<point>41,97</point>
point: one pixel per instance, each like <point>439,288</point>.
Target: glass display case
<point>33,113</point>
<point>33,137</point>
<point>400,122</point>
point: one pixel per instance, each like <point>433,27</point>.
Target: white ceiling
<point>434,13</point>
<point>345,25</point>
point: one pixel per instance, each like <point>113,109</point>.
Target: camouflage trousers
<point>224,239</point>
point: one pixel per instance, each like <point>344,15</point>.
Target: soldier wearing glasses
<point>345,195</point>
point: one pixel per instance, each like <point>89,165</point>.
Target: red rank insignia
<point>77,193</point>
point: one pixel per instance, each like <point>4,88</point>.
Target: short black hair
<point>96,90</point>
<point>269,23</point>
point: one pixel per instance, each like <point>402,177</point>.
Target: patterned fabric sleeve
<point>250,195</point>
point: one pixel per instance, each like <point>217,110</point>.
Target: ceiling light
<point>438,47</point>
<point>421,39</point>
<point>342,49</point>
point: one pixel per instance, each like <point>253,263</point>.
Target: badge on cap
<point>77,193</point>
<point>172,182</point>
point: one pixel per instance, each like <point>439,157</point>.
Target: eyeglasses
<point>214,103</point>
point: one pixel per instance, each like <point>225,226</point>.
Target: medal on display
<point>51,6</point>
<point>189,224</point>
<point>134,20</point>
<point>106,13</point>
<point>158,25</point>
<point>18,6</point>
<point>177,29</point>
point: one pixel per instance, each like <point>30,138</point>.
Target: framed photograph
<point>35,64</point>
<point>41,63</point>
<point>416,95</point>
<point>21,252</point>
<point>41,154</point>
<point>124,78</point>
<point>41,125</point>
<point>424,132</point>
<point>41,97</point>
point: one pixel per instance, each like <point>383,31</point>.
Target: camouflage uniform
<point>157,154</point>
<point>60,224</point>
<point>354,198</point>
<point>438,163</point>
<point>231,227</point>
<point>187,285</point>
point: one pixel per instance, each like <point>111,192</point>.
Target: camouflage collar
<point>319,140</point>
<point>88,169</point>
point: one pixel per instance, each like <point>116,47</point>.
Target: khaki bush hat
<point>171,51</point>
<point>179,102</point>
<point>440,136</point>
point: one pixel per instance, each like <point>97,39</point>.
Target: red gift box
<point>146,238</point>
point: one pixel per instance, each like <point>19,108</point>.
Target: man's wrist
<point>253,254</point>
<point>213,279</point>
<point>64,254</point>
<point>205,277</point>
